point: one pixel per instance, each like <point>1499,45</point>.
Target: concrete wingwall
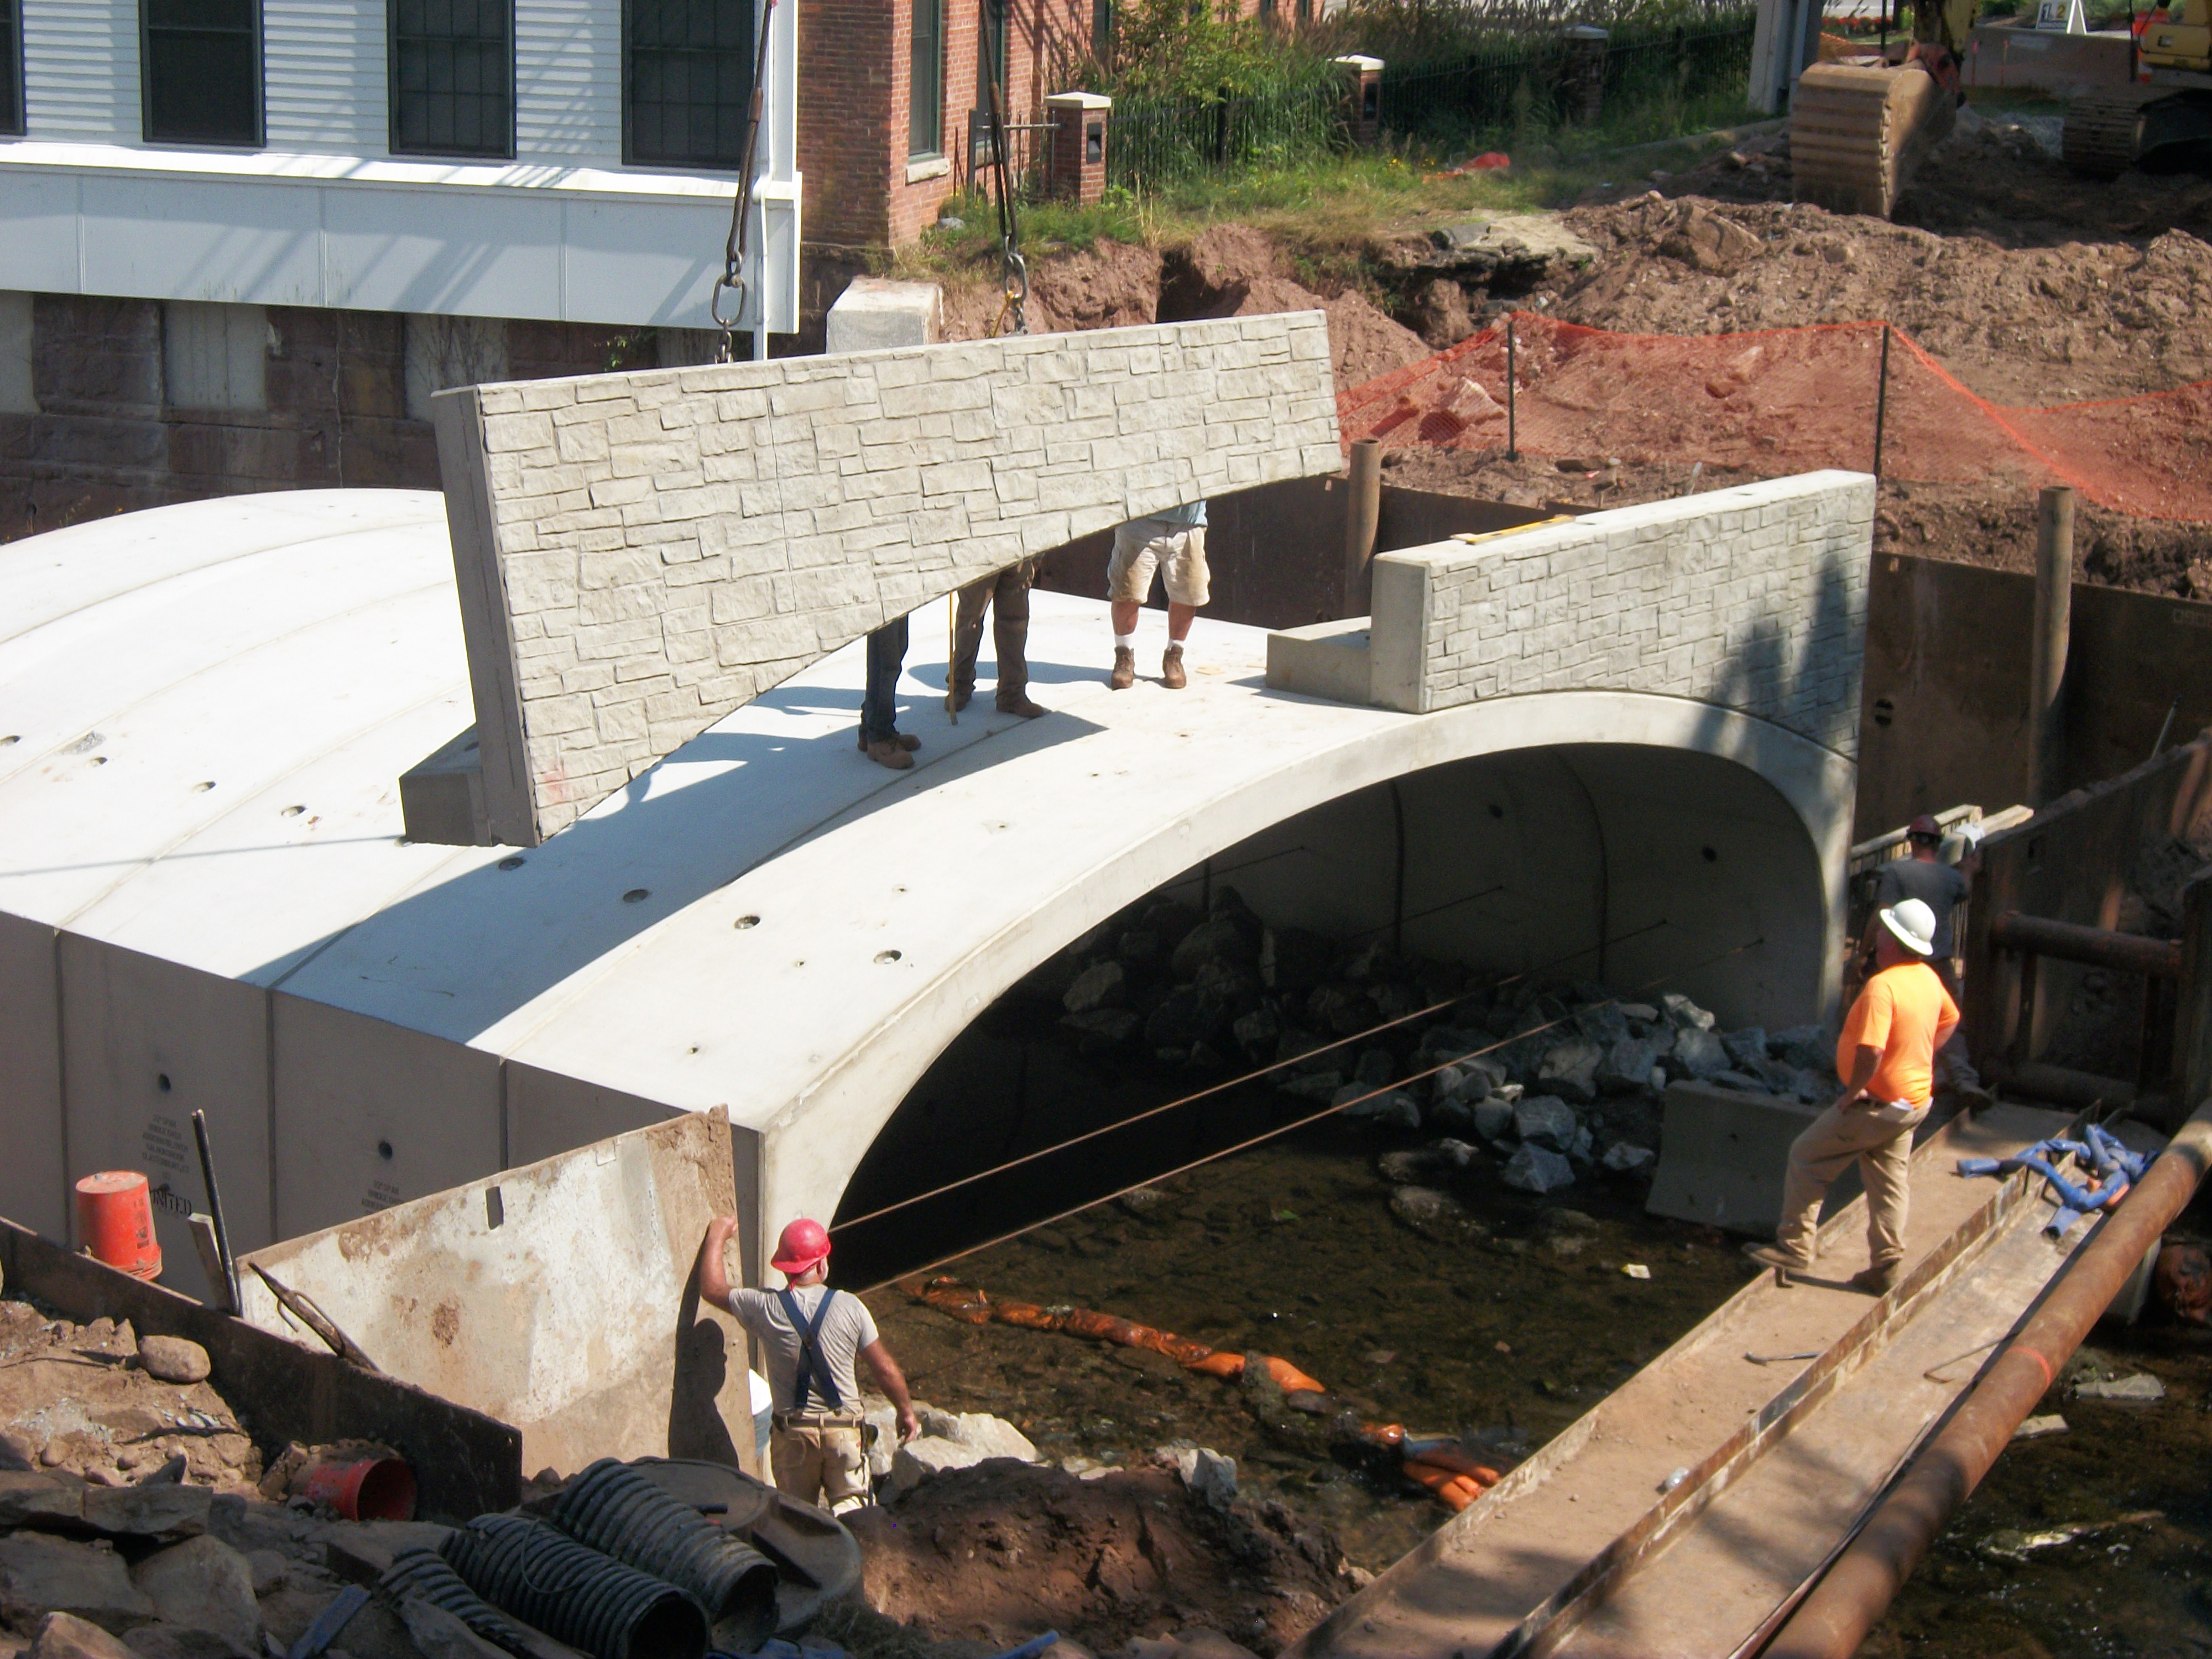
<point>638,554</point>
<point>1752,599</point>
<point>1746,879</point>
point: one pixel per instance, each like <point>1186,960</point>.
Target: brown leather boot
<point>1125,669</point>
<point>889,753</point>
<point>1878,1281</point>
<point>1171,674</point>
<point>1781,1261</point>
<point>905,740</point>
<point>1017,702</point>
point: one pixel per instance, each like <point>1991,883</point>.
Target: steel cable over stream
<point>574,1594</point>
<point>1280,1129</point>
<point>621,1513</point>
<point>424,1575</point>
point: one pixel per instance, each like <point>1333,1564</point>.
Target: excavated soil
<point>997,1552</point>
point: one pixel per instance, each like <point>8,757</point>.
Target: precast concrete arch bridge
<point>208,899</point>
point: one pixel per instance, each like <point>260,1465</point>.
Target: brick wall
<point>106,441</point>
<point>1752,598</point>
<point>639,554</point>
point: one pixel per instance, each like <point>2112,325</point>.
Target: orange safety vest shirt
<point>1906,1013</point>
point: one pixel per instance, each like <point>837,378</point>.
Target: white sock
<point>1125,642</point>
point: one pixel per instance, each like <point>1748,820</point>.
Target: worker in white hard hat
<point>1886,1058</point>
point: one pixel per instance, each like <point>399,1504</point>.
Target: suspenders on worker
<point>813,1370</point>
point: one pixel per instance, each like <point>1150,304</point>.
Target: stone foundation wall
<point>1752,598</point>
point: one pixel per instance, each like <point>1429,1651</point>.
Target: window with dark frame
<point>200,71</point>
<point>687,81</point>
<point>925,114</point>
<point>11,69</point>
<point>1102,31</point>
<point>451,76</point>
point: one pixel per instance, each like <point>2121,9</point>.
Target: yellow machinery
<point>1860,126</point>
<point>2163,124</point>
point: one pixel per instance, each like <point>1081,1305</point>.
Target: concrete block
<point>874,314</point>
<point>1723,1155</point>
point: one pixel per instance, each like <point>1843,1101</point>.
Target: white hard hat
<point>1913,926</point>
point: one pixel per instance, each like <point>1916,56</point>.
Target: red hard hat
<point>803,1244</point>
<point>1925,825</point>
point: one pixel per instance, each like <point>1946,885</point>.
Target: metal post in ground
<point>1880,402</point>
<point>1362,510</point>
<point>2054,598</point>
<point>1513,428</point>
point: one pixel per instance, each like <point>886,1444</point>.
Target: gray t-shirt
<point>1938,886</point>
<point>847,1328</point>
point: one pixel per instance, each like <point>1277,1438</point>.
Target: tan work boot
<point>1877,1281</point>
<point>905,740</point>
<point>1125,669</point>
<point>1171,674</point>
<point>1785,1264</point>
<point>890,753</point>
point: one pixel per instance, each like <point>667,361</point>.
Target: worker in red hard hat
<point>810,1336</point>
<point>1923,875</point>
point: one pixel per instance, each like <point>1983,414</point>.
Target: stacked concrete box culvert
<point>575,1594</point>
<point>618,1512</point>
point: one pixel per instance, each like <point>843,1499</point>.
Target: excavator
<point>1861,127</point>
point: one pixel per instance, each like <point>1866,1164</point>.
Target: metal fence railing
<point>1527,80</point>
<point>1154,142</point>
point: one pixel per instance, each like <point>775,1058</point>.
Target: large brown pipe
<point>1836,1617</point>
<point>2069,941</point>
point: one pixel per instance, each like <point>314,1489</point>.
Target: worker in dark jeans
<point>1942,888</point>
<point>881,740</point>
<point>1007,596</point>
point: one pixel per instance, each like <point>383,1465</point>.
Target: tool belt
<point>818,1419</point>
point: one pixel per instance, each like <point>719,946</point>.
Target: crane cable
<point>732,279</point>
<point>1015,268</point>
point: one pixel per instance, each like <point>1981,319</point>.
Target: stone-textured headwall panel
<point>640,553</point>
<point>1752,598</point>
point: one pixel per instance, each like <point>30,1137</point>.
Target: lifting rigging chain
<point>732,279</point>
<point>1010,233</point>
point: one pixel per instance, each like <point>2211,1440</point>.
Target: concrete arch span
<point>1535,828</point>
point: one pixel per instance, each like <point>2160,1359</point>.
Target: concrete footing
<point>1723,1155</point>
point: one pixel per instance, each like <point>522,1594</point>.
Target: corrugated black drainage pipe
<point>574,1594</point>
<point>620,1512</point>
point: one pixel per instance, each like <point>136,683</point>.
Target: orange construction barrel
<point>115,1220</point>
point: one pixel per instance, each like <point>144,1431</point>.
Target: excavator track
<point>1857,131</point>
<point>2104,132</point>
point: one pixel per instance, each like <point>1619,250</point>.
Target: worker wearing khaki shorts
<point>809,1335</point>
<point>1174,544</point>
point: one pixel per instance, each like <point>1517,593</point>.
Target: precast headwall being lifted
<point>207,901</point>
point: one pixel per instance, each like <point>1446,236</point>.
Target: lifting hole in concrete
<point>883,957</point>
<point>162,1082</point>
<point>1496,810</point>
<point>97,760</point>
<point>743,922</point>
<point>1709,855</point>
<point>291,812</point>
<point>384,1151</point>
<point>12,737</point>
<point>202,785</point>
<point>1885,711</point>
<point>494,1208</point>
<point>637,895</point>
<point>513,863</point>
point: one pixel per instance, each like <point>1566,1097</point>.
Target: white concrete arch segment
<point>638,554</point>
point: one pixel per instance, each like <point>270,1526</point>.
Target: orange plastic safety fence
<point>1782,401</point>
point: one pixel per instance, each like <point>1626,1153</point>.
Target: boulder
<point>1220,940</point>
<point>1546,1119</point>
<point>1626,1069</point>
<point>1643,1012</point>
<point>1533,1169</point>
<point>1102,985</point>
<point>1393,1107</point>
<point>1570,1071</point>
<point>173,1360</point>
<point>926,1457</point>
<point>1493,1119</point>
<point>1293,960</point>
<point>1102,1029</point>
<point>1685,1015</point>
<point>362,1552</point>
<point>994,1436</point>
<point>1732,1078</point>
<point>43,1574</point>
<point>1705,242</point>
<point>203,1584</point>
<point>1339,1009</point>
<point>1435,1215</point>
<point>1376,1067</point>
<point>1747,1047</point>
<point>1257,1033</point>
<point>1808,1048</point>
<point>1698,1054</point>
<point>63,1636</point>
<point>38,1499</point>
<point>1320,1087</point>
<point>1601,1022</point>
<point>1209,1475</point>
<point>1187,1017</point>
<point>1621,1155</point>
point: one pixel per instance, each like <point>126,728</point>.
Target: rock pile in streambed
<point>1551,1075</point>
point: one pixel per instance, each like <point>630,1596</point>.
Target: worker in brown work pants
<point>1007,596</point>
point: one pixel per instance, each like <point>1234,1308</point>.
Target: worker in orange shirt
<point>1886,1058</point>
